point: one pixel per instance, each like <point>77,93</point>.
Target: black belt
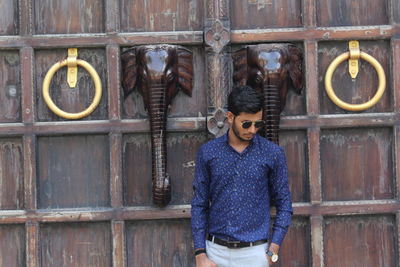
<point>234,244</point>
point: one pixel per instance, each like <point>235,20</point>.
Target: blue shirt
<point>232,192</point>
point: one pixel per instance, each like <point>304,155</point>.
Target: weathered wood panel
<point>364,86</point>
<point>68,16</point>
<point>181,156</point>
<point>259,14</point>
<point>159,243</point>
<point>8,17</point>
<point>10,85</point>
<point>12,245</point>
<point>73,171</point>
<point>396,11</point>
<point>296,249</point>
<point>155,15</point>
<point>360,241</point>
<point>352,12</point>
<point>70,99</point>
<point>295,145</point>
<point>11,174</point>
<point>182,105</point>
<point>76,244</point>
<point>357,164</point>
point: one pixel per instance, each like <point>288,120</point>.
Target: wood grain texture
<point>360,241</point>
<point>364,86</point>
<point>259,14</point>
<point>71,16</point>
<point>10,85</point>
<point>295,145</point>
<point>164,243</point>
<point>154,15</point>
<point>11,174</point>
<point>12,245</point>
<point>181,151</point>
<point>296,248</point>
<point>71,99</point>
<point>9,17</point>
<point>357,164</point>
<point>73,171</point>
<point>352,12</point>
<point>76,244</point>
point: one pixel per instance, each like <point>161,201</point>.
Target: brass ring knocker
<point>354,55</point>
<point>74,62</point>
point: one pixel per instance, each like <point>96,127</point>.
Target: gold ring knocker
<point>73,62</point>
<point>354,55</point>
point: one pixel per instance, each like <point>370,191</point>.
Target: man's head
<point>245,112</point>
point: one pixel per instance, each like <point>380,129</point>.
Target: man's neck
<point>238,144</point>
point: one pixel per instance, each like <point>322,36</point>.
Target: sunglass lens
<point>247,124</point>
<point>259,124</point>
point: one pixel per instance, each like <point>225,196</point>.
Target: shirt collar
<point>254,142</point>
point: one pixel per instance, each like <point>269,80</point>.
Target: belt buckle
<point>234,243</point>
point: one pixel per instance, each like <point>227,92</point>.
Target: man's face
<point>237,123</point>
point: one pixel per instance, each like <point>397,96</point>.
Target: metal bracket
<point>72,72</point>
<point>354,48</point>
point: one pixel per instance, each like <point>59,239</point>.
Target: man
<point>237,176</point>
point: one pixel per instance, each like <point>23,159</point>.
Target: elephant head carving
<point>271,69</point>
<point>158,72</point>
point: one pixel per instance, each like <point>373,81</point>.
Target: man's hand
<point>203,261</point>
<point>275,249</point>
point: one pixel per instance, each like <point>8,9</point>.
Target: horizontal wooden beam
<point>325,33</point>
<point>339,208</point>
<point>190,124</point>
<point>102,40</point>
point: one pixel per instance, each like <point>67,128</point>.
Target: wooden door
<point>78,193</point>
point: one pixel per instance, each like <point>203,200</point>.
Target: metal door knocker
<point>353,55</point>
<point>72,62</point>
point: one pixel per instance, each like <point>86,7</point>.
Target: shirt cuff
<point>277,236</point>
<point>199,242</point>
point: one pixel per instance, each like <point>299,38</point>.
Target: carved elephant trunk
<point>271,112</point>
<point>158,71</point>
<point>158,114</point>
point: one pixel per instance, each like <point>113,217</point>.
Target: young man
<point>237,176</point>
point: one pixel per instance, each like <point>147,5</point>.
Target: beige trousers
<point>237,257</point>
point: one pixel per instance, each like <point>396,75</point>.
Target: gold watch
<point>274,257</point>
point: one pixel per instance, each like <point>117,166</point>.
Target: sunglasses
<point>257,124</point>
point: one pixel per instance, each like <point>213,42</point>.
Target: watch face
<point>274,258</point>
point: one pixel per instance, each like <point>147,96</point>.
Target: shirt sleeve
<point>281,198</point>
<point>200,201</point>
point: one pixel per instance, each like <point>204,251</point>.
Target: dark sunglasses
<point>257,124</point>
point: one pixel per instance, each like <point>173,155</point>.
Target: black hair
<point>244,99</point>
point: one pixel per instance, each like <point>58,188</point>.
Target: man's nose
<point>253,129</point>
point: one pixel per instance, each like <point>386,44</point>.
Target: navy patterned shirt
<point>232,192</point>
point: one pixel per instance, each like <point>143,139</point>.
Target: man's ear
<point>230,116</point>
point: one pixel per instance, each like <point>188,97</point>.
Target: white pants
<point>237,257</point>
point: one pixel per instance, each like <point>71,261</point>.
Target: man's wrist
<point>199,251</point>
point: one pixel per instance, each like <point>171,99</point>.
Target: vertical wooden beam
<point>217,37</point>
<point>396,69</point>
<point>310,13</point>
<point>118,235</point>
<point>317,241</point>
<point>25,17</point>
<point>27,87</point>
<point>314,165</point>
<point>113,82</point>
<point>112,16</point>
<point>116,170</point>
<point>29,142</point>
<point>311,62</point>
<point>32,244</point>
